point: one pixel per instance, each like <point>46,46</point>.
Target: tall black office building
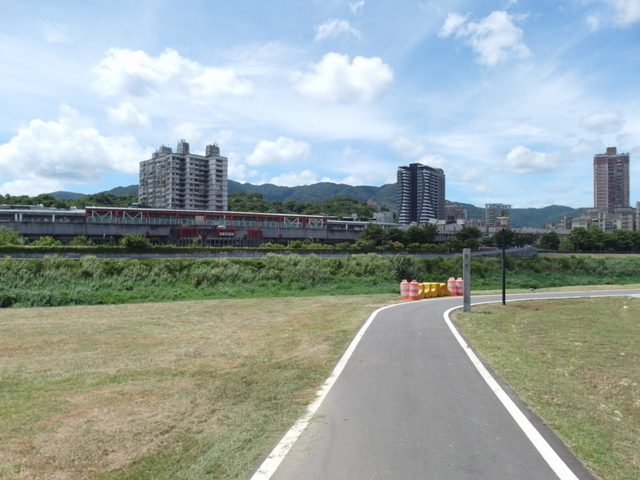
<point>420,194</point>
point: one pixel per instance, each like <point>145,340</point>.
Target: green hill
<point>318,192</point>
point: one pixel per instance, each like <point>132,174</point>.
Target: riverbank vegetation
<point>56,281</point>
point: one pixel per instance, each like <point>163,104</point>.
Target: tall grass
<point>54,281</point>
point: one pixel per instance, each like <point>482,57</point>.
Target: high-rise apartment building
<point>493,212</point>
<point>420,194</point>
<point>183,180</point>
<point>611,180</point>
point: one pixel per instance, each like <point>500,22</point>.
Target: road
<point>408,402</point>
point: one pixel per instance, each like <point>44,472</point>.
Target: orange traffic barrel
<point>404,290</point>
<point>451,285</point>
<point>414,290</point>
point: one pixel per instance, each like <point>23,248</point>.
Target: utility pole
<point>466,274</point>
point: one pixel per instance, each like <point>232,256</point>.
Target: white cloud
<point>356,8</point>
<point>471,175</point>
<point>238,171</point>
<point>350,180</point>
<point>586,147</point>
<point>523,160</point>
<point>31,186</point>
<point>126,72</point>
<point>623,13</point>
<point>627,12</point>
<point>67,150</point>
<point>453,24</point>
<point>336,79</point>
<point>54,32</point>
<point>134,73</point>
<point>214,82</point>
<point>495,38</point>
<point>409,148</point>
<point>191,132</point>
<point>594,22</point>
<point>603,122</point>
<point>417,151</point>
<point>127,115</point>
<point>334,28</point>
<point>293,179</point>
<point>429,7</point>
<point>283,150</point>
<point>434,161</point>
<point>484,189</point>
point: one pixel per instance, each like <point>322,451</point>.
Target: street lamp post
<point>504,221</point>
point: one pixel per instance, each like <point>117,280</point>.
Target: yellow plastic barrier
<point>426,291</point>
<point>429,290</point>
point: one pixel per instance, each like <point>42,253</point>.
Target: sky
<point>511,98</point>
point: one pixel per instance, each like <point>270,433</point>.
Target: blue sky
<point>511,98</point>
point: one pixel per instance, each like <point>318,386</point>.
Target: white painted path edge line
<point>272,462</point>
<point>550,456</point>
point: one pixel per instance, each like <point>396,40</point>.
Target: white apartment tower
<point>183,180</point>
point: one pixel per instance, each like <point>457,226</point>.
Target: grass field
<point>185,390</point>
<point>204,389</point>
<point>576,362</point>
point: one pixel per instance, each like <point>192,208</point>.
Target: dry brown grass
<point>90,390</point>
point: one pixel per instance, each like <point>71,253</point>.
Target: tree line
<point>95,200</point>
<point>339,206</point>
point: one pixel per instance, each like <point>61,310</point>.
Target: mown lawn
<point>576,362</point>
<point>204,389</point>
<point>185,390</point>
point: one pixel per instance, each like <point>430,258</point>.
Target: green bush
<point>81,241</point>
<point>46,241</point>
<point>8,236</point>
<point>134,242</point>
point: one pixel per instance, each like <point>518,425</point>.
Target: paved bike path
<point>409,403</point>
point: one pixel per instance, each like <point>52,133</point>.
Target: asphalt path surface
<point>409,403</point>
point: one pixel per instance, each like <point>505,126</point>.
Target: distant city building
<point>611,180</point>
<point>475,222</point>
<point>611,209</point>
<point>616,219</point>
<point>183,180</point>
<point>383,217</point>
<point>420,194</point>
<point>454,213</point>
<point>493,211</point>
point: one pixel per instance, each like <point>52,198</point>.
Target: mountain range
<point>384,196</point>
